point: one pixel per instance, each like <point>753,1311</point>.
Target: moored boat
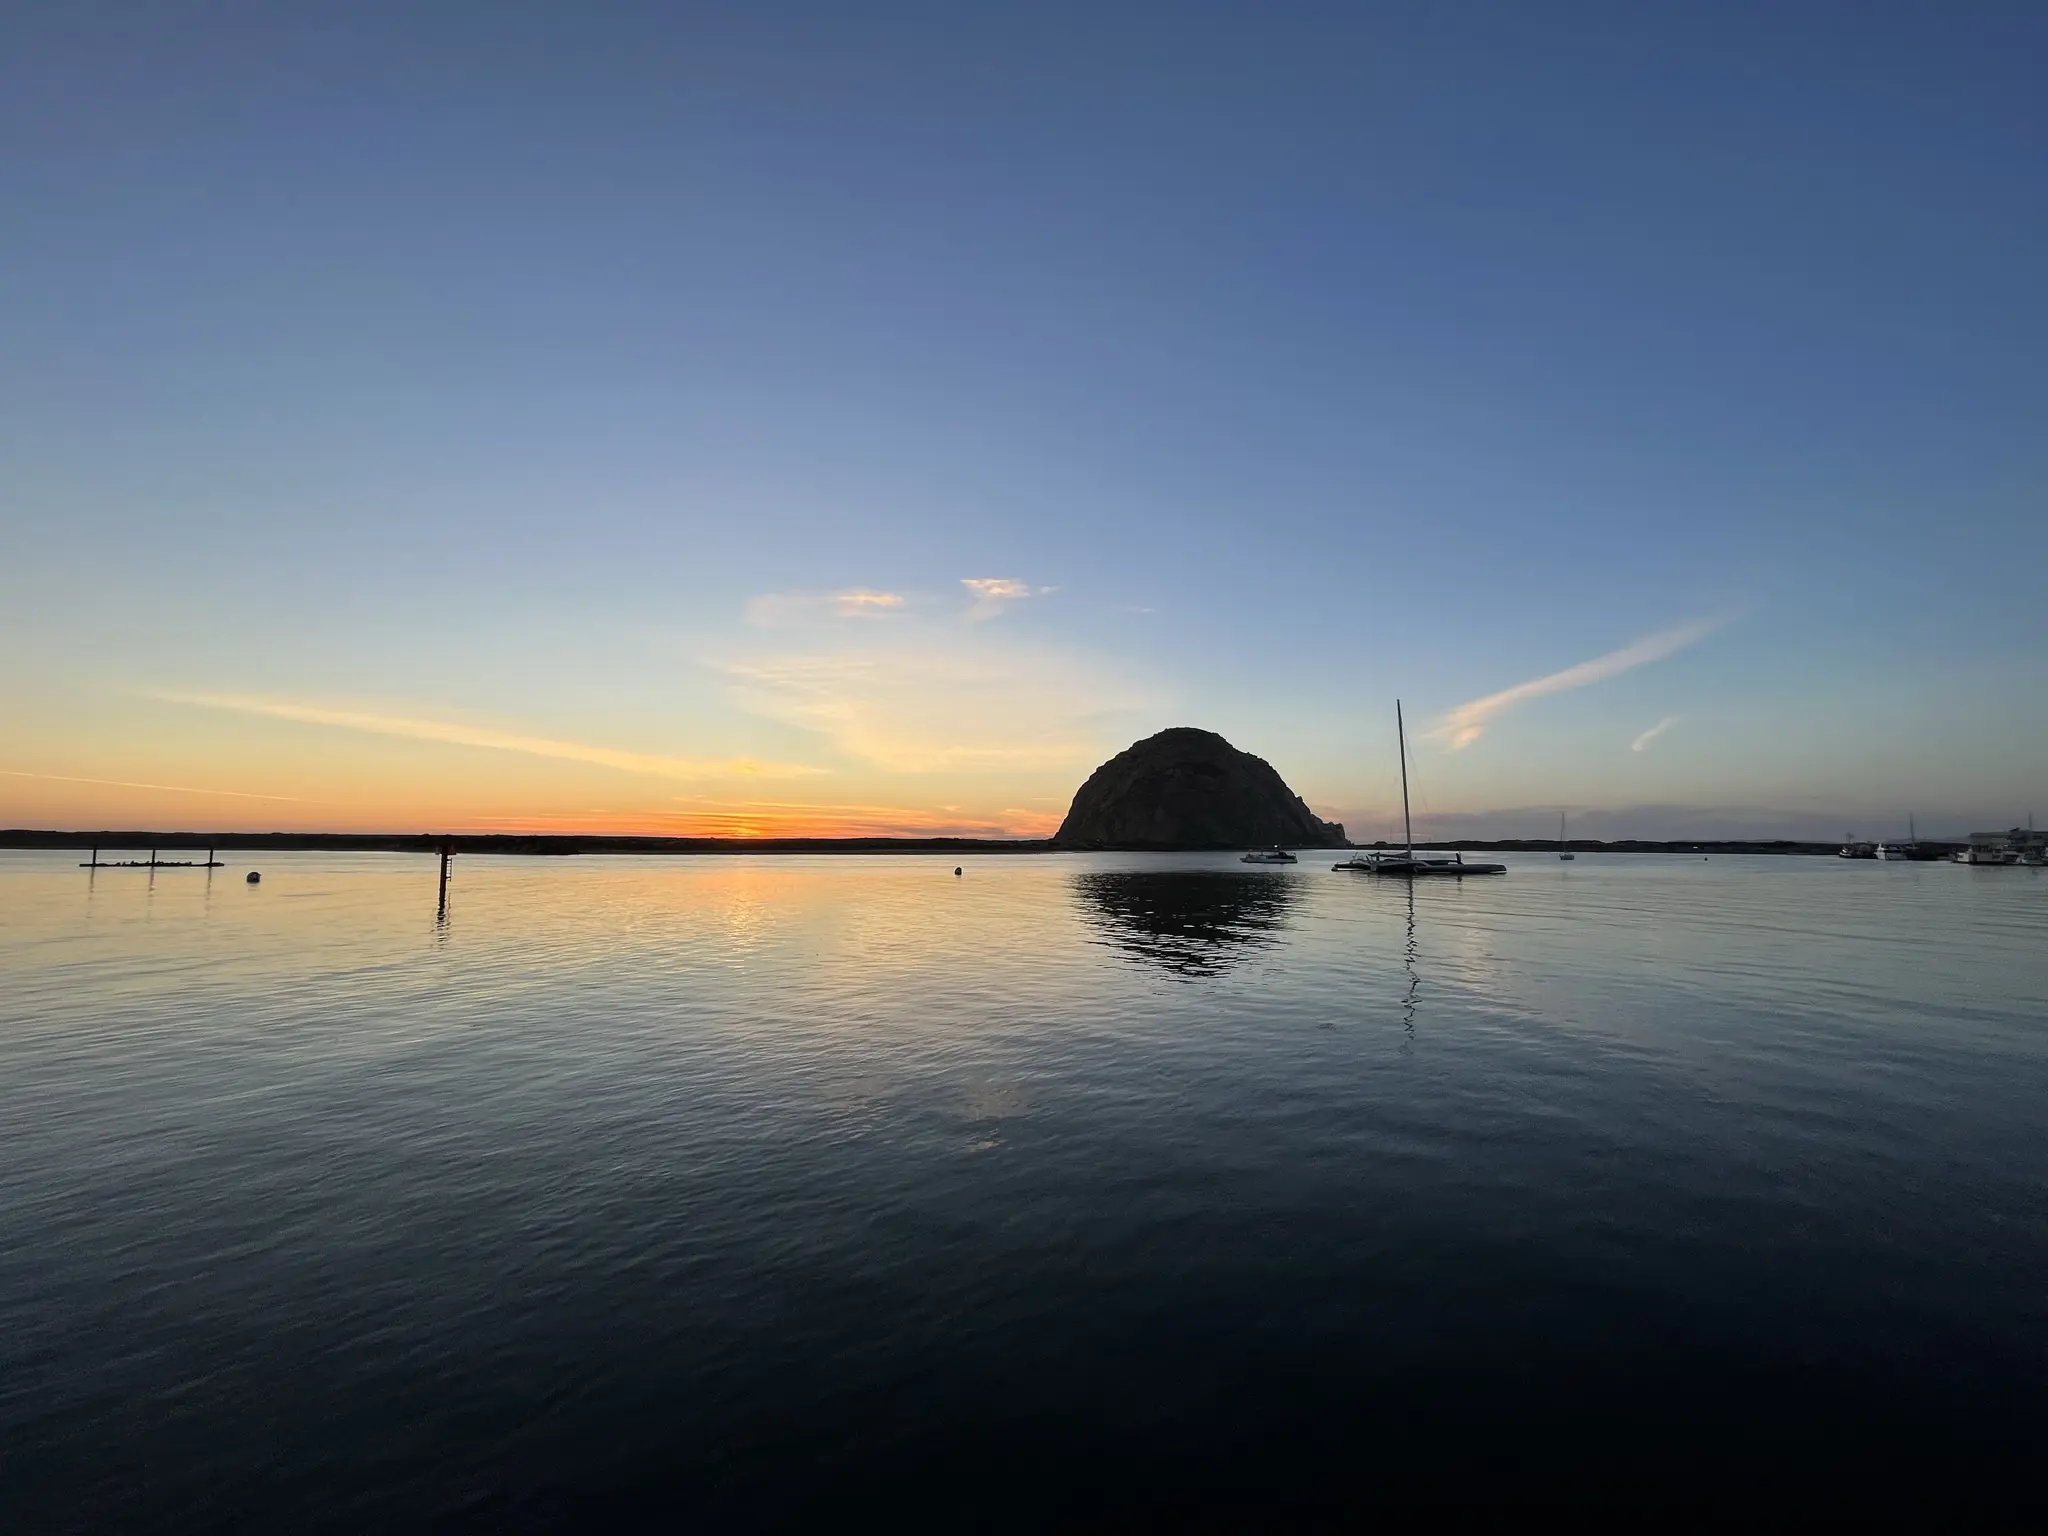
<point>1269,856</point>
<point>1413,866</point>
<point>1900,853</point>
<point>1406,864</point>
<point>2022,845</point>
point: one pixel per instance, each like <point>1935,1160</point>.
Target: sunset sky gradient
<point>816,419</point>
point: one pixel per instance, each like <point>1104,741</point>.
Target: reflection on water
<point>1194,923</point>
<point>780,1186</point>
<point>1408,953</point>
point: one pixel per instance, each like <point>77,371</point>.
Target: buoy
<point>956,869</point>
<point>255,877</point>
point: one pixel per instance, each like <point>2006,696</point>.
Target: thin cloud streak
<point>994,594</point>
<point>496,741</point>
<point>861,603</point>
<point>773,609</point>
<point>1468,722</point>
<point>175,789</point>
<point>1642,742</point>
<point>938,709</point>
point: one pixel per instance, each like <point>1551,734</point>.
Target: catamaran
<point>1406,864</point>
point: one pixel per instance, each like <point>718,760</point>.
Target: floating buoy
<point>956,869</point>
<point>255,877</point>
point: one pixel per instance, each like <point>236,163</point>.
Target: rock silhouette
<point>1186,788</point>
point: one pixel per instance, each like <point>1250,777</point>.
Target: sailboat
<point>1406,864</point>
<point>1560,839</point>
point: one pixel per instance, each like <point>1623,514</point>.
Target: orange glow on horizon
<point>116,804</point>
<point>748,825</point>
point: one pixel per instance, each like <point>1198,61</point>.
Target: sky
<point>817,419</point>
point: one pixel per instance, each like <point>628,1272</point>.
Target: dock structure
<point>152,862</point>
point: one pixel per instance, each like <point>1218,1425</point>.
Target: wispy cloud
<point>778,608</point>
<point>968,705</point>
<point>994,594</point>
<point>1467,723</point>
<point>859,602</point>
<point>174,789</point>
<point>1642,742</point>
<point>459,735</point>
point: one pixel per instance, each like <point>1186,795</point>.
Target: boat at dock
<point>1982,854</point>
<point>1407,864</point>
<point>2022,845</point>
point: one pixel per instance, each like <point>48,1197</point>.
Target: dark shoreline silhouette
<point>525,845</point>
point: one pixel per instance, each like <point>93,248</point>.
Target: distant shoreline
<point>564,845</point>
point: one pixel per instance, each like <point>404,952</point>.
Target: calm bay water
<point>758,1188</point>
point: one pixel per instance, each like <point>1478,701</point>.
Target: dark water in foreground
<point>1072,1187</point>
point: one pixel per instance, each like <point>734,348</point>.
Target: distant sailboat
<point>1560,839</point>
<point>1407,865</point>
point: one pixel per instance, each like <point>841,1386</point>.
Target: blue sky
<point>384,392</point>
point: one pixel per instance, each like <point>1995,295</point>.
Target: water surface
<point>763,1187</point>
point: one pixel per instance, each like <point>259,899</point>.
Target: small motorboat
<point>1269,856</point>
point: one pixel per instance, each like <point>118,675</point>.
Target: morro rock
<point>1186,788</point>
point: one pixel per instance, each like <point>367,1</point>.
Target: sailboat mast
<point>1407,826</point>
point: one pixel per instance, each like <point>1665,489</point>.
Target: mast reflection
<point>1408,953</point>
<point>1192,923</point>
